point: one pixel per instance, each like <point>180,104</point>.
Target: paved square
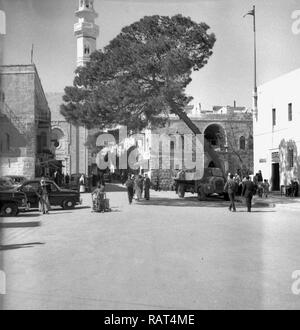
<point>167,253</point>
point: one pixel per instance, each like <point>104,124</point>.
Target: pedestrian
<point>259,177</point>
<point>295,187</point>
<point>147,184</point>
<point>231,189</point>
<point>55,177</point>
<point>248,192</point>
<point>266,188</point>
<point>238,181</point>
<point>81,180</point>
<point>43,191</point>
<point>130,188</point>
<point>138,186</point>
<point>67,179</point>
<point>98,198</point>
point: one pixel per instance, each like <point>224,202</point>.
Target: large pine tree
<point>140,76</point>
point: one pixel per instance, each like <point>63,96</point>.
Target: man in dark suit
<point>248,191</point>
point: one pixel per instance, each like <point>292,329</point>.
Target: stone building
<point>67,141</point>
<point>162,152</point>
<point>25,122</point>
<point>229,130</point>
<point>276,130</point>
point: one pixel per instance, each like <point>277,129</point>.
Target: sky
<point>228,76</point>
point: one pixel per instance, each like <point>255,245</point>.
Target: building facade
<point>162,152</point>
<point>276,130</point>
<point>229,131</point>
<point>25,122</point>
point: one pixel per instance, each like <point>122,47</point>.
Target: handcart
<point>100,202</point>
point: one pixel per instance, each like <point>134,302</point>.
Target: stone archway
<point>215,134</point>
<point>60,146</point>
<point>57,138</point>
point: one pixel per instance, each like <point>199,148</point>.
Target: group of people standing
<point>136,185</point>
<point>247,188</point>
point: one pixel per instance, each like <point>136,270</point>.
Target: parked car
<point>66,198</point>
<point>16,179</point>
<point>11,202</point>
<point>6,183</point>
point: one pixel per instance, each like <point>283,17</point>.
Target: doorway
<point>275,177</point>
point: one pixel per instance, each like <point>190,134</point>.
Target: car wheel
<point>181,190</point>
<point>68,204</point>
<point>9,210</point>
<point>201,194</point>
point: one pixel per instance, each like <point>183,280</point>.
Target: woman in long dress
<point>44,204</point>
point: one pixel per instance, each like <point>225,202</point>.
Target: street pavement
<point>166,253</point>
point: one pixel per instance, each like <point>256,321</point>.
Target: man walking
<point>248,191</point>
<point>231,189</point>
<point>130,188</point>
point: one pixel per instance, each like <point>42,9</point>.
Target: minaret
<point>2,33</point>
<point>86,31</point>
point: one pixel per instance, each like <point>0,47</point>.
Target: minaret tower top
<point>86,31</point>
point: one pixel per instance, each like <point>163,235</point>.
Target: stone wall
<point>24,102</point>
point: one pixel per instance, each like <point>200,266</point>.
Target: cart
<point>100,203</point>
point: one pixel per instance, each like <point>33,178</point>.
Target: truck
<point>11,202</point>
<point>212,182</point>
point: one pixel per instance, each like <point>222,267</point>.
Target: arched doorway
<point>216,136</point>
<point>58,144</point>
<point>57,137</point>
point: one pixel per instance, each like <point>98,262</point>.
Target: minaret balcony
<point>86,29</point>
<point>86,13</point>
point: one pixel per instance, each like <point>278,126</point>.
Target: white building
<point>277,130</point>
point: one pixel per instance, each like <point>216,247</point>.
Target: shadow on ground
<point>184,202</point>
<point>20,224</point>
<point>214,201</point>
<point>19,246</point>
<point>113,187</point>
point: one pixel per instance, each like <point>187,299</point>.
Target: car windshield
<point>6,183</point>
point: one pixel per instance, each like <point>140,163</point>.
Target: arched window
<point>242,143</point>
<point>172,155</point>
<point>86,49</point>
<point>250,142</point>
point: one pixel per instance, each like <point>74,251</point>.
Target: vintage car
<point>212,182</point>
<point>65,198</point>
<point>6,183</point>
<point>11,202</point>
<point>16,179</point>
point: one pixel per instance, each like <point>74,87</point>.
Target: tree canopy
<point>140,76</point>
